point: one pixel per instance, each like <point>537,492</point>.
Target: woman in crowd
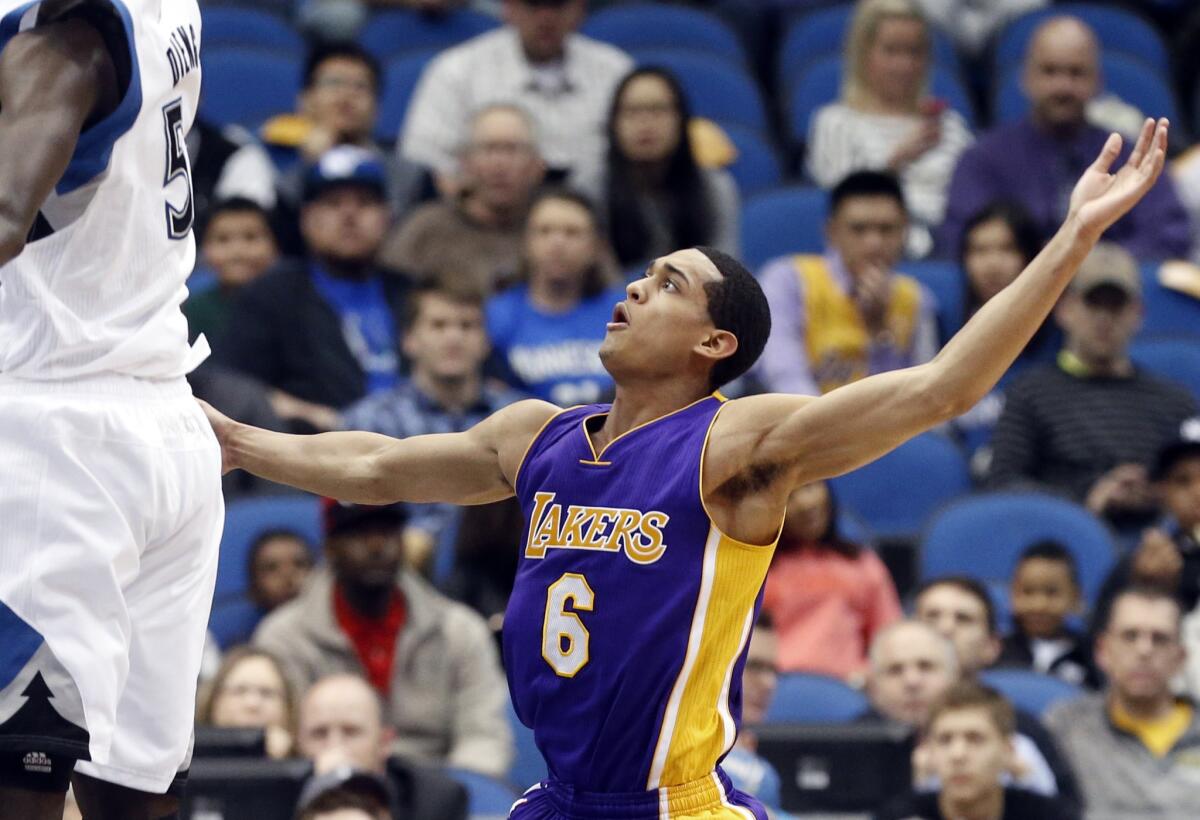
<point>657,198</point>
<point>827,595</point>
<point>250,691</point>
<point>277,565</point>
<point>546,331</point>
<point>885,119</point>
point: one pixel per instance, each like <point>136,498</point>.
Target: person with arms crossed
<point>651,521</point>
<point>110,497</point>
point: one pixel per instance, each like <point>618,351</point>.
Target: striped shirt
<point>568,101</point>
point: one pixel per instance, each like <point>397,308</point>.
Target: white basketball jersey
<point>97,290</point>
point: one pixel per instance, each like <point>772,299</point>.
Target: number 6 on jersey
<point>562,627</point>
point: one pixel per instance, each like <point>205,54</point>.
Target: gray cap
<point>1108,264</point>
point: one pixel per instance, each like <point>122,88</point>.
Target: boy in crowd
<point>968,739</point>
<point>1044,591</point>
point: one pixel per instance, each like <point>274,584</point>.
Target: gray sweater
<point>1119,777</point>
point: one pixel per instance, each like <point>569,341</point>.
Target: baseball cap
<point>345,165</point>
<point>1108,264</point>
<point>345,778</point>
<point>339,517</point>
<point>1185,445</point>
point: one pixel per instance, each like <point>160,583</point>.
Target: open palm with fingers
<point>1101,197</point>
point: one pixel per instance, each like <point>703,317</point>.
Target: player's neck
<point>639,404</point>
<point>989,806</point>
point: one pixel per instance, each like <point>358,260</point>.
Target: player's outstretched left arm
<point>806,439</point>
<point>53,79</point>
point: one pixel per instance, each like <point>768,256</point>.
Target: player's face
<point>501,162</point>
<point>1180,490</point>
<point>447,341</point>
<point>960,617</point>
<point>897,60</point>
<point>560,243</point>
<point>251,696</point>
<point>340,719</point>
<point>760,675</point>
<point>992,258</point>
<point>280,568</point>
<point>543,29</point>
<point>346,224</point>
<point>909,671</point>
<point>663,322</point>
<point>1043,594</point>
<point>1060,77</point>
<point>369,556</point>
<point>868,231</point>
<point>1140,651</point>
<point>342,98</point>
<point>648,125</point>
<point>968,753</point>
<point>239,247</point>
<point>808,511</point>
<point>1100,323</point>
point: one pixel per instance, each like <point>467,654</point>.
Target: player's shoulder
<point>753,412</point>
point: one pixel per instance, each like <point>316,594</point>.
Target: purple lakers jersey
<point>626,632</point>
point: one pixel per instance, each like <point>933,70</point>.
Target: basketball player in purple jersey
<point>651,522</point>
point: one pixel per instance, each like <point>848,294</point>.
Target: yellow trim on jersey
<point>587,436</point>
<point>532,441</point>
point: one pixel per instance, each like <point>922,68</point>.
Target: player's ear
<point>718,344</point>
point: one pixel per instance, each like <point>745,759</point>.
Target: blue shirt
<point>555,356</point>
<point>367,325</point>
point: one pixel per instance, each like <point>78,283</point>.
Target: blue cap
<point>345,165</point>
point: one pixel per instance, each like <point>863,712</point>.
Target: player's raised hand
<point>1101,197</point>
<point>221,425</point>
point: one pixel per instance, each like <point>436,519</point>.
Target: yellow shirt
<point>1159,735</point>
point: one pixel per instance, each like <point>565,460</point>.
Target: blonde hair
<point>207,696</point>
<point>868,17</point>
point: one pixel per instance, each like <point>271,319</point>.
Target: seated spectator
<point>250,691</point>
<point>1044,591</point>
<point>341,730</point>
<point>998,242</point>
<point>345,794</point>
<point>547,330</point>
<point>885,120</point>
<point>237,245</point>
<point>656,196</point>
<point>827,596</point>
<point>973,24</point>
<point>961,611</point>
<point>1036,160</point>
<point>911,665</point>
<point>749,772</point>
<point>968,743</point>
<point>474,238</point>
<point>1134,744</point>
<point>1089,425</point>
<point>431,661</point>
<point>325,332</point>
<point>446,345</point>
<point>278,563</point>
<point>536,60</point>
<point>845,315</point>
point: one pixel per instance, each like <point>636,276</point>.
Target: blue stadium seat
<point>716,89</point>
<point>248,86</point>
<point>1127,77</point>
<point>897,493</point>
<point>232,620</point>
<point>1029,691</point>
<point>821,83</point>
<point>641,26</point>
<point>1168,312</point>
<point>1119,30</point>
<point>757,166</point>
<point>486,797</point>
<point>783,221</point>
<point>400,76</point>
<point>805,698</point>
<point>529,767</point>
<point>1173,358</point>
<point>241,27</point>
<point>249,518</point>
<point>393,32</point>
<point>946,282</point>
<point>982,536</point>
<point>822,33</point>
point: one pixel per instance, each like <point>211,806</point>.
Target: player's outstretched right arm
<point>477,466</point>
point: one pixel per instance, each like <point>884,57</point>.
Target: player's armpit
<point>53,79</point>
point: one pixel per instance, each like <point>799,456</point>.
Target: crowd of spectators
<point>417,287</point>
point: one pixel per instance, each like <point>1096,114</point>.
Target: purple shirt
<point>1020,163</point>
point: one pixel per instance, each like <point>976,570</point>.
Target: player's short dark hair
<point>1147,592</point>
<point>459,294</point>
<point>972,586</point>
<point>971,695</point>
<point>1050,550</point>
<point>866,183</point>
<point>235,205</point>
<point>737,304</point>
<point>343,51</point>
